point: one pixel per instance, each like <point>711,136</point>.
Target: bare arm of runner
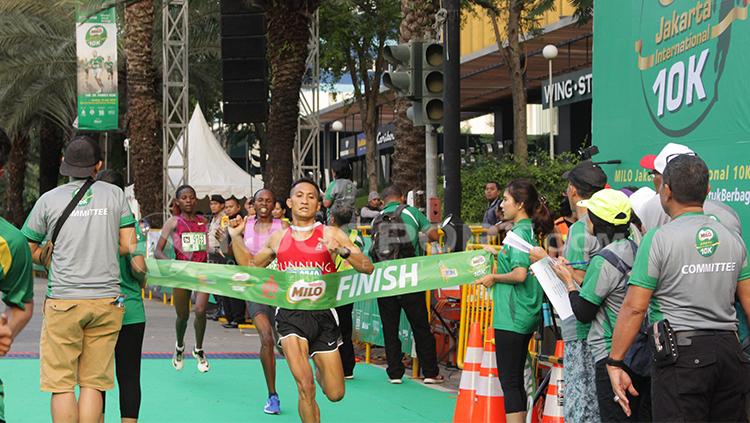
<point>19,318</point>
<point>336,241</point>
<point>166,232</point>
<point>241,255</point>
<point>266,254</point>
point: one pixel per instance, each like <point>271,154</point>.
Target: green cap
<point>610,205</point>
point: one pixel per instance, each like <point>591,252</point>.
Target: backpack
<point>390,237</point>
<point>639,356</point>
<point>347,194</point>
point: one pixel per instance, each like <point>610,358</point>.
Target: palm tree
<point>37,87</point>
<point>419,15</point>
<point>143,118</point>
<point>288,23</point>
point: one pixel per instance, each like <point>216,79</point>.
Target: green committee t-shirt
<point>517,306</point>
<point>16,280</point>
<point>85,261</point>
<point>692,265</point>
<point>580,246</point>
<point>605,286</point>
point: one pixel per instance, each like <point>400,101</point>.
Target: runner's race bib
<point>193,242</point>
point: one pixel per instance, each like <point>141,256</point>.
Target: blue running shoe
<point>273,405</point>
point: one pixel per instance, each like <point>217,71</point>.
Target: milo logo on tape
<point>706,241</point>
<point>304,290</point>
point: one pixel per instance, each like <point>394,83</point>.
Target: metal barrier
<point>476,306</point>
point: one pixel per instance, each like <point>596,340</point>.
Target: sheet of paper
<point>554,287</point>
<point>514,241</point>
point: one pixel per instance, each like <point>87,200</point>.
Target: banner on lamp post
<point>96,51</point>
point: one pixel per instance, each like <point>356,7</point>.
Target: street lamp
<point>337,127</point>
<point>126,145</point>
<point>550,52</point>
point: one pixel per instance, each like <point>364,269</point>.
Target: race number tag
<point>193,242</point>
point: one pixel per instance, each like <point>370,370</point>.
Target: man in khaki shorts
<point>83,309</point>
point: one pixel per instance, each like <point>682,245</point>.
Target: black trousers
<point>610,411</point>
<point>415,307</point>
<point>233,308</point>
<point>346,350</point>
<point>708,382</point>
<point>128,369</point>
<point>511,349</point>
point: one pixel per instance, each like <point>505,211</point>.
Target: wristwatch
<point>344,252</point>
<point>616,363</point>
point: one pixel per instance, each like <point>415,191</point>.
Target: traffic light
<point>432,83</point>
<point>404,79</point>
<point>419,77</point>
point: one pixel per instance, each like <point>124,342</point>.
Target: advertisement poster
<point>96,50</point>
<point>675,71</point>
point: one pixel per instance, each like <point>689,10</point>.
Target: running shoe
<point>434,380</point>
<point>178,357</point>
<point>396,381</point>
<point>348,377</point>
<point>200,357</point>
<point>273,405</point>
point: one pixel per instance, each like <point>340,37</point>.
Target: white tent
<point>210,169</point>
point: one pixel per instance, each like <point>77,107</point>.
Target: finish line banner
<point>675,71</point>
<point>309,292</point>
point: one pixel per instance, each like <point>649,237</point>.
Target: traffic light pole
<point>431,168</point>
<point>451,121</point>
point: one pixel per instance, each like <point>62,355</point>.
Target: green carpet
<point>235,391</point>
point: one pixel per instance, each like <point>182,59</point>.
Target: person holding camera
<point>691,271</point>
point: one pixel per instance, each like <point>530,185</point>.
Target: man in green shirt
<point>16,280</point>
<point>690,271</point>
<point>413,304</point>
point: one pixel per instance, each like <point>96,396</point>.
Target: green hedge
<point>545,173</point>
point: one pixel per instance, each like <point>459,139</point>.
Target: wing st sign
<point>681,52</point>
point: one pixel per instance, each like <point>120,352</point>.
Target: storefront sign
<point>569,88</point>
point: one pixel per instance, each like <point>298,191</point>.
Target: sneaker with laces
<point>434,380</point>
<point>200,357</point>
<point>273,405</point>
<point>178,357</point>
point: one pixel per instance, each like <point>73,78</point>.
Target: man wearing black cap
<point>581,404</point>
<point>83,310</point>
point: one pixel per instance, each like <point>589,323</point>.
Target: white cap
<point>669,152</point>
<point>639,199</point>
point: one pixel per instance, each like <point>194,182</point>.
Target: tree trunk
<point>50,153</point>
<point>370,127</point>
<point>288,38</point>
<point>409,151</point>
<point>16,169</point>
<point>143,115</point>
<point>517,80</point>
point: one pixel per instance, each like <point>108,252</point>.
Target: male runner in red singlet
<point>311,248</point>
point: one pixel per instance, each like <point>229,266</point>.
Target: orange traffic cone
<point>490,405</point>
<point>469,376</point>
<point>553,404</point>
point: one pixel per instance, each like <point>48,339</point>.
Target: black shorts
<point>319,327</point>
